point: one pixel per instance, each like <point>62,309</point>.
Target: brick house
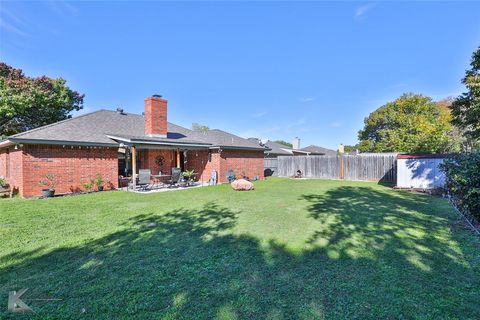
<point>111,143</point>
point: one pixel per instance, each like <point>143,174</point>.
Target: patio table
<point>160,178</point>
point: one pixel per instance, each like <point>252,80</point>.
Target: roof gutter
<point>6,143</point>
<point>301,151</point>
<point>60,142</point>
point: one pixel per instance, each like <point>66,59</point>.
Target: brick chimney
<point>156,116</point>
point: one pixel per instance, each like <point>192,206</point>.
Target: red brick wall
<point>74,166</point>
<point>147,160</point>
<point>3,162</point>
<point>11,168</point>
<point>71,166</point>
<point>202,164</point>
<point>155,116</point>
<point>244,162</point>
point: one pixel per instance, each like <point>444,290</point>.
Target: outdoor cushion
<point>242,184</point>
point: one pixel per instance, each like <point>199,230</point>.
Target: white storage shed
<point>420,171</point>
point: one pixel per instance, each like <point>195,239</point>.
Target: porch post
<point>178,158</point>
<point>133,150</point>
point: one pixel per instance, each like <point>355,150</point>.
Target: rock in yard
<point>242,184</point>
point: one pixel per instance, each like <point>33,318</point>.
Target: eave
<point>146,143</point>
<point>60,142</point>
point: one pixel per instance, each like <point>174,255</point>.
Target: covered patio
<point>155,164</point>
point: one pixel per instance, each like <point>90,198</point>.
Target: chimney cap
<point>157,95</point>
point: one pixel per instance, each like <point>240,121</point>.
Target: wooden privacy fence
<point>370,167</point>
<point>270,167</point>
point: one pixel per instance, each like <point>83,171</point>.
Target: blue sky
<point>267,69</point>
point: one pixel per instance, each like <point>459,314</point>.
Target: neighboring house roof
<point>316,150</point>
<point>107,128</point>
<point>278,149</point>
<point>275,148</point>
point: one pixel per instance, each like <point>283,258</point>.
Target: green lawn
<point>300,249</point>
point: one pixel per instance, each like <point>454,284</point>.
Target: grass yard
<point>299,249</point>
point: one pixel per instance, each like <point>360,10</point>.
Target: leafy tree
<point>350,148</point>
<point>466,107</point>
<point>27,103</point>
<point>199,127</point>
<point>284,143</point>
<point>457,140</point>
<point>411,123</point>
<point>463,181</point>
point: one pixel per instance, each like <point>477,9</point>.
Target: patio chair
<point>230,175</point>
<point>144,178</point>
<point>176,175</point>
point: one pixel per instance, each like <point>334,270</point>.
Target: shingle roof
<point>278,148</point>
<point>313,149</point>
<point>224,139</point>
<point>96,127</point>
<point>275,148</point>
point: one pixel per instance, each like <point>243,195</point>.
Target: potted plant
<point>99,182</point>
<point>3,183</point>
<point>188,176</point>
<point>4,187</point>
<point>49,183</point>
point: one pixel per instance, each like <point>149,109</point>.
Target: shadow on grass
<point>374,256</point>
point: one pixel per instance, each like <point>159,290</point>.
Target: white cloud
<point>260,132</point>
<point>299,122</point>
<point>286,129</point>
<point>11,16</point>
<point>307,99</point>
<point>61,7</point>
<point>335,124</point>
<point>259,114</point>
<point>11,28</point>
<point>361,11</point>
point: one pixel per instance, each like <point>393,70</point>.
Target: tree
<point>199,127</point>
<point>350,148</point>
<point>27,103</point>
<point>411,123</point>
<point>457,140</point>
<point>466,107</point>
<point>284,143</point>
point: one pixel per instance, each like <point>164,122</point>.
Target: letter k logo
<point>15,304</point>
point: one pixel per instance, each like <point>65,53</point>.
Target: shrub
<point>98,180</point>
<point>88,186</point>
<point>3,182</point>
<point>188,174</point>
<point>462,183</point>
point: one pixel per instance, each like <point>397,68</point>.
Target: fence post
<point>342,167</point>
